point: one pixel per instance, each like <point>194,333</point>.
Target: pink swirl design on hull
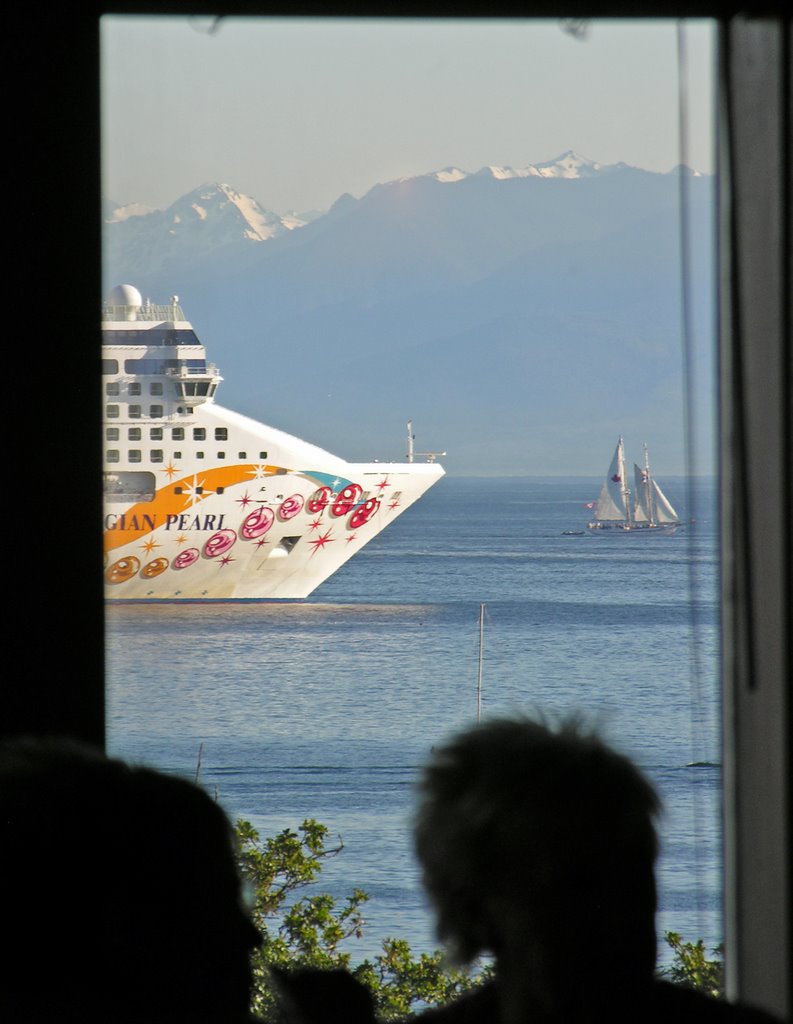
<point>219,543</point>
<point>186,558</point>
<point>257,523</point>
<point>290,506</point>
<point>363,513</point>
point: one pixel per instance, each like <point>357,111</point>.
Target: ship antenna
<point>429,456</point>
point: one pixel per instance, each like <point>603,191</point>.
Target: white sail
<point>664,513</point>
<point>612,500</point>
<point>643,512</point>
<point>647,511</point>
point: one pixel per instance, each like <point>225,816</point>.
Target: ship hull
<point>273,535</point>
<point>202,503</point>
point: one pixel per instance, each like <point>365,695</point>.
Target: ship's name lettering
<point>144,523</point>
<point>190,522</point>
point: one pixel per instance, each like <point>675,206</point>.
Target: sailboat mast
<point>479,670</point>
<point>648,489</point>
<point>625,490</point>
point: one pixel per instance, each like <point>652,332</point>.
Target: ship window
<point>134,455</point>
<point>151,336</point>
<point>212,389</point>
<point>112,433</point>
<point>112,388</point>
<point>199,490</point>
<point>199,455</point>
<point>221,455</point>
<point>111,412</point>
<point>155,410</point>
<point>177,455</point>
<point>125,486</point>
<point>109,366</point>
<point>155,455</point>
<point>156,433</point>
<point>177,434</point>
<point>134,412</point>
<point>133,388</point>
<point>287,543</point>
<point>220,490</point>
<point>221,434</point>
<point>242,455</point>
<point>199,434</point>
<point>262,455</point>
<point>177,490</point>
<point>112,455</point>
<point>134,434</point>
<point>156,388</point>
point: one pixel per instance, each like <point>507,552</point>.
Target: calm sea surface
<point>328,708</point>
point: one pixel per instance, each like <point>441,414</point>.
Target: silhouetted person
<point>538,846</point>
<point>309,996</point>
<point>120,894</point>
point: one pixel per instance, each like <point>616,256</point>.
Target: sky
<point>296,112</point>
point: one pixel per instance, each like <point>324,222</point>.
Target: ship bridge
<point>194,385</point>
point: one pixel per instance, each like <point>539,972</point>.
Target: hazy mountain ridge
<point>211,217</point>
<point>496,311</point>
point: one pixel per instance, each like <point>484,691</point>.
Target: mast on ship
<point>649,500</point>
<point>429,456</point>
<point>623,480</point>
<point>652,505</point>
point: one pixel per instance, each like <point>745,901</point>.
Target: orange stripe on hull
<point>150,515</point>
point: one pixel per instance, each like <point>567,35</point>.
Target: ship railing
<point>210,371</point>
<point>147,312</point>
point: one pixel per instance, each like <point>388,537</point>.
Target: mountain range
<point>521,318</point>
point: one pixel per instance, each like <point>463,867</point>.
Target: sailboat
<point>648,509</point>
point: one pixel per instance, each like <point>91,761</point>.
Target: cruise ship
<point>204,504</point>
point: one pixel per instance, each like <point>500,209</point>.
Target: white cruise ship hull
<point>203,504</point>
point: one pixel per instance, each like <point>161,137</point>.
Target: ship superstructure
<point>204,504</point>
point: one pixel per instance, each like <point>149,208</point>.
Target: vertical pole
<point>479,672</point>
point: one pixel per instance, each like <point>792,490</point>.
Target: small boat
<point>618,511</point>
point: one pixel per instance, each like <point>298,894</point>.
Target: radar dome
<point>125,295</point>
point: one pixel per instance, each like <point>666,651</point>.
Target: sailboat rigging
<point>648,509</point>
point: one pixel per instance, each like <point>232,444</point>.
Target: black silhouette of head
<point>125,889</point>
<point>538,845</point>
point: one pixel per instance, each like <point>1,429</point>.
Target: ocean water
<point>328,708</point>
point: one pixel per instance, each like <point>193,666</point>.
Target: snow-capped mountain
<point>568,165</point>
<point>212,218</point>
<point>493,307</point>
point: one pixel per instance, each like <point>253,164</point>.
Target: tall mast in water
<point>479,670</point>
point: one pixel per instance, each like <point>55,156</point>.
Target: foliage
<point>692,968</point>
<point>400,982</point>
<point>309,930</point>
<point>302,929</point>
